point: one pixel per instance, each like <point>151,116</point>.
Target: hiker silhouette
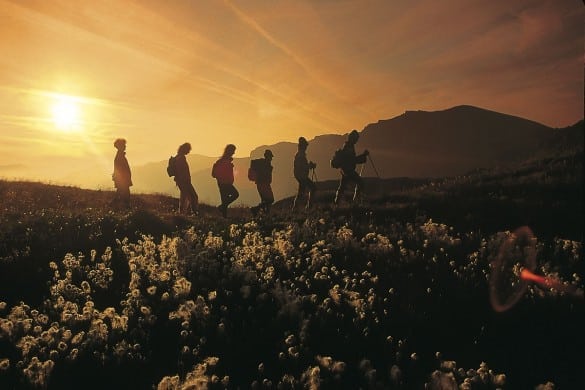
<point>122,176</point>
<point>189,200</point>
<point>223,172</point>
<point>263,179</point>
<point>301,170</point>
<point>347,164</point>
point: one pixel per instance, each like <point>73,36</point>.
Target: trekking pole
<point>373,166</point>
<point>355,191</point>
<point>314,175</point>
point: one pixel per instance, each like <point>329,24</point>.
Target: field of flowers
<point>355,298</point>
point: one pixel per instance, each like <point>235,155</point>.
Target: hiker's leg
<point>116,200</point>
<point>223,194</point>
<point>266,196</point>
<point>222,207</point>
<point>124,196</point>
<point>188,197</point>
<point>255,209</point>
<point>182,201</point>
<point>233,194</point>
<point>300,192</point>
<point>193,198</point>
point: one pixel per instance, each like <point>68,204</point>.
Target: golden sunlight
<point>66,113</point>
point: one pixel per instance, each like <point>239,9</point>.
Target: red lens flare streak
<point>527,275</point>
<point>548,282</point>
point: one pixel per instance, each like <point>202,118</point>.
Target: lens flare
<point>527,275</point>
<point>516,253</point>
<point>513,270</point>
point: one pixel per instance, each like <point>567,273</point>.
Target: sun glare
<point>65,113</point>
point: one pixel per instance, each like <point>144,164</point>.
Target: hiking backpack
<point>337,159</point>
<point>255,168</point>
<point>222,170</point>
<point>172,167</point>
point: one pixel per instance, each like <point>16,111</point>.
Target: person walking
<point>189,200</point>
<point>122,175</point>
<point>223,172</point>
<point>263,183</point>
<point>347,164</point>
<point>301,170</point>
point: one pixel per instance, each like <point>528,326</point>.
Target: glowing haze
<point>75,75</point>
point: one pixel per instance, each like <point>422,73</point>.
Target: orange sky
<point>252,72</point>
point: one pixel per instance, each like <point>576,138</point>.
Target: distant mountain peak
<point>466,107</point>
<point>460,109</point>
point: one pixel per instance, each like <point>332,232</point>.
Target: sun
<point>66,113</point>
